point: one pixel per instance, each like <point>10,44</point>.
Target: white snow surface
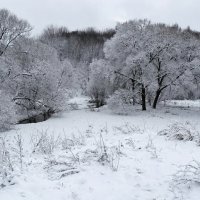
<point>183,103</point>
<point>142,169</point>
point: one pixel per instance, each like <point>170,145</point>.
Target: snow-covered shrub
<point>180,131</point>
<point>7,112</point>
<point>18,150</point>
<point>6,165</point>
<point>120,102</point>
<point>11,159</point>
<point>74,140</point>
<point>44,143</point>
<point>58,168</point>
<point>188,175</point>
<point>128,129</point>
<point>108,155</point>
<point>151,148</point>
<point>98,86</point>
<point>73,106</point>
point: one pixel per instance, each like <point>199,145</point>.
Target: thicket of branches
<point>34,81</point>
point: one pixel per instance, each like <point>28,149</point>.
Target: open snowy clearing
<point>99,155</point>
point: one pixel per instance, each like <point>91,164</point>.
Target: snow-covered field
<point>95,155</point>
<point>183,103</point>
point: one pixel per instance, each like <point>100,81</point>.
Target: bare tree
<point>11,28</point>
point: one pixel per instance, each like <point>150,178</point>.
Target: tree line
<point>149,62</point>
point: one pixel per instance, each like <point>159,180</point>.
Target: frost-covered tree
<point>175,64</point>
<point>151,57</point>
<point>127,51</point>
<point>7,111</point>
<point>11,28</point>
<point>120,101</point>
<point>99,82</point>
<point>38,80</point>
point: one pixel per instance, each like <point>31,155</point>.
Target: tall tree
<point>11,28</point>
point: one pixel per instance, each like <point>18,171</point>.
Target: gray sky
<point>101,14</point>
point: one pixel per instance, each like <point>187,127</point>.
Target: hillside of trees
<point>77,46</point>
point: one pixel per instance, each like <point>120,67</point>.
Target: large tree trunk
<point>158,92</point>
<point>143,98</point>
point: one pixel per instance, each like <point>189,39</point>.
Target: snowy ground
<point>183,103</point>
<point>100,155</point>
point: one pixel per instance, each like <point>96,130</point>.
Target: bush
<point>44,143</point>
<point>181,131</point>
<point>188,174</point>
<point>120,102</point>
<point>6,164</point>
<point>7,112</point>
<point>99,83</point>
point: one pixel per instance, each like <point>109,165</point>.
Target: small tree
<point>99,82</point>
<point>120,101</point>
<point>7,111</point>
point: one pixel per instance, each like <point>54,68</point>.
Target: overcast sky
<point>101,14</point>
